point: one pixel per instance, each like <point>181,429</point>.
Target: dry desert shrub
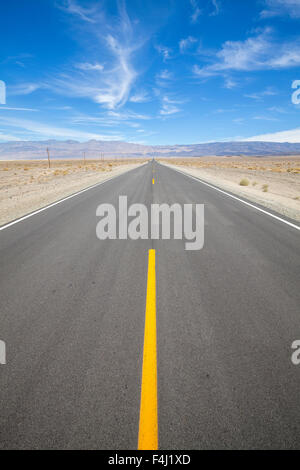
<point>278,170</point>
<point>244,182</point>
<point>265,188</point>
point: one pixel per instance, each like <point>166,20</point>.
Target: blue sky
<point>150,71</point>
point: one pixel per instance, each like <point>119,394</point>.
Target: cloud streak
<point>216,7</point>
<point>72,7</point>
<point>261,94</point>
<point>281,8</point>
<point>196,11</point>
<point>258,52</point>
<point>48,131</point>
<point>141,97</point>
<point>186,43</point>
<point>169,106</point>
<point>291,136</point>
<point>109,86</point>
<point>8,137</point>
<point>88,66</point>
<point>10,108</point>
<point>165,52</point>
<point>212,8</point>
<point>25,88</point>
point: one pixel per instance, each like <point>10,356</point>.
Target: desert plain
<point>273,182</point>
<point>28,185</point>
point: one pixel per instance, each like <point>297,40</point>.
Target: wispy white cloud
<point>19,59</point>
<point>212,8</point>
<point>261,94</point>
<point>165,75</point>
<point>17,109</point>
<point>277,109</point>
<point>61,108</point>
<point>196,11</point>
<point>221,111</point>
<point>216,5</point>
<point>72,7</point>
<point>8,137</point>
<point>230,83</point>
<point>164,51</point>
<point>260,52</point>
<point>119,83</point>
<point>239,120</point>
<point>291,136</point>
<point>88,66</point>
<point>169,106</point>
<point>111,87</point>
<point>281,8</point>
<point>49,131</point>
<point>128,115</point>
<point>25,88</point>
<point>111,118</point>
<point>265,118</point>
<point>141,97</point>
<point>186,43</point>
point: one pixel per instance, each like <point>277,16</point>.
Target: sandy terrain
<point>26,186</point>
<point>274,182</point>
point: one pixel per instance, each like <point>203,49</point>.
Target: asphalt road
<point>73,312</point>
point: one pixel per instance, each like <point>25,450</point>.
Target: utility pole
<point>48,157</point>
<point>84,157</point>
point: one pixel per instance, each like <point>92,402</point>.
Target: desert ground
<point>273,182</point>
<point>28,185</point>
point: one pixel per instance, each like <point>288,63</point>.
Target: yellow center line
<point>152,180</point>
<point>148,427</point>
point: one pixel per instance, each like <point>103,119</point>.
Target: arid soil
<point>273,182</point>
<point>28,185</point>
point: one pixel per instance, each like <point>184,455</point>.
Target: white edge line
<point>235,197</point>
<point>62,200</point>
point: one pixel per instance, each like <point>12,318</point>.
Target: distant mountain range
<point>115,149</point>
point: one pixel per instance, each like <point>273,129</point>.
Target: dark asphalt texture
<point>72,311</point>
